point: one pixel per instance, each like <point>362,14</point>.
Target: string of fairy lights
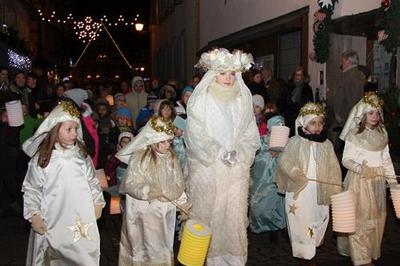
<point>88,28</point>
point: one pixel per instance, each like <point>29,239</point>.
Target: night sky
<point>133,44</point>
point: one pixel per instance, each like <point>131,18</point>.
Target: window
<point>289,54</point>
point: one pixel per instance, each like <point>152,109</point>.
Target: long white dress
<point>147,233</point>
<point>219,193</point>
<point>307,221</point>
<point>65,194</point>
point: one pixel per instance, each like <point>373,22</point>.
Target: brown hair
<point>362,124</point>
<point>151,152</point>
<point>170,104</point>
<point>47,146</point>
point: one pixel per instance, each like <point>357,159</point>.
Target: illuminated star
<point>292,208</point>
<point>80,229</point>
<point>325,3</point>
<point>310,232</point>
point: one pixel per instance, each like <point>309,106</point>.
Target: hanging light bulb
<point>139,26</point>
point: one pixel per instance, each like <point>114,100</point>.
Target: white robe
<point>64,193</point>
<point>148,227</point>
<point>307,221</point>
<point>219,193</point>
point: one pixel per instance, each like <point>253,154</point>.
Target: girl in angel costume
<point>153,185</point>
<point>366,156</point>
<point>222,138</point>
<point>62,196</point>
<point>308,173</point>
<point>267,207</point>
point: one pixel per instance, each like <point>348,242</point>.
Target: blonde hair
<point>151,152</point>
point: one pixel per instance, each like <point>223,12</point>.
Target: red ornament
<point>386,4</point>
<point>320,16</point>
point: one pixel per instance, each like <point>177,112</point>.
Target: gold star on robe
<point>292,208</point>
<point>80,229</point>
<point>310,232</point>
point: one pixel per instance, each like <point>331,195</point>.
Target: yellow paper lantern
<point>195,242</point>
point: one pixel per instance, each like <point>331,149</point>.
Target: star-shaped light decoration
<point>292,208</point>
<point>310,232</point>
<point>80,229</point>
<point>325,3</point>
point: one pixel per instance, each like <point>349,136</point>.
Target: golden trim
<point>168,128</point>
<point>372,99</point>
<point>312,109</point>
<point>70,108</point>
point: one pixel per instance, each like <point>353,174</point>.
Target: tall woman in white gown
<point>222,138</point>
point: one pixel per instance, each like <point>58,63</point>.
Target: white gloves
<point>230,158</point>
<point>38,224</point>
<point>88,110</point>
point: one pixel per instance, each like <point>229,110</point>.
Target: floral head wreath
<point>312,109</point>
<point>168,128</point>
<point>220,60</point>
<point>373,100</point>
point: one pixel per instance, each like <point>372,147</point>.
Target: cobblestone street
<point>262,250</point>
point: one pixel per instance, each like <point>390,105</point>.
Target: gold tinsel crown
<point>373,100</point>
<point>168,128</point>
<point>312,109</point>
<point>70,108</point>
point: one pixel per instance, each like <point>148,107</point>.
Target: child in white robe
<point>366,156</point>
<point>308,173</point>
<point>62,196</point>
<point>153,186</point>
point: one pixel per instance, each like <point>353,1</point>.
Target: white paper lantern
<point>395,195</point>
<point>14,113</point>
<point>278,138</point>
<point>344,212</point>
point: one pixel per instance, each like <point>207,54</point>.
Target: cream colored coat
<point>219,193</point>
<point>369,146</point>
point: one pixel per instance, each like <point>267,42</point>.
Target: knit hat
<point>187,89</point>
<point>370,102</point>
<point>307,113</point>
<point>123,111</point>
<point>258,100</point>
<point>78,95</point>
<point>118,95</point>
<point>65,111</point>
<point>151,98</point>
<point>125,134</point>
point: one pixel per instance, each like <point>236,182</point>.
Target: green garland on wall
<point>322,29</point>
<point>389,36</point>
